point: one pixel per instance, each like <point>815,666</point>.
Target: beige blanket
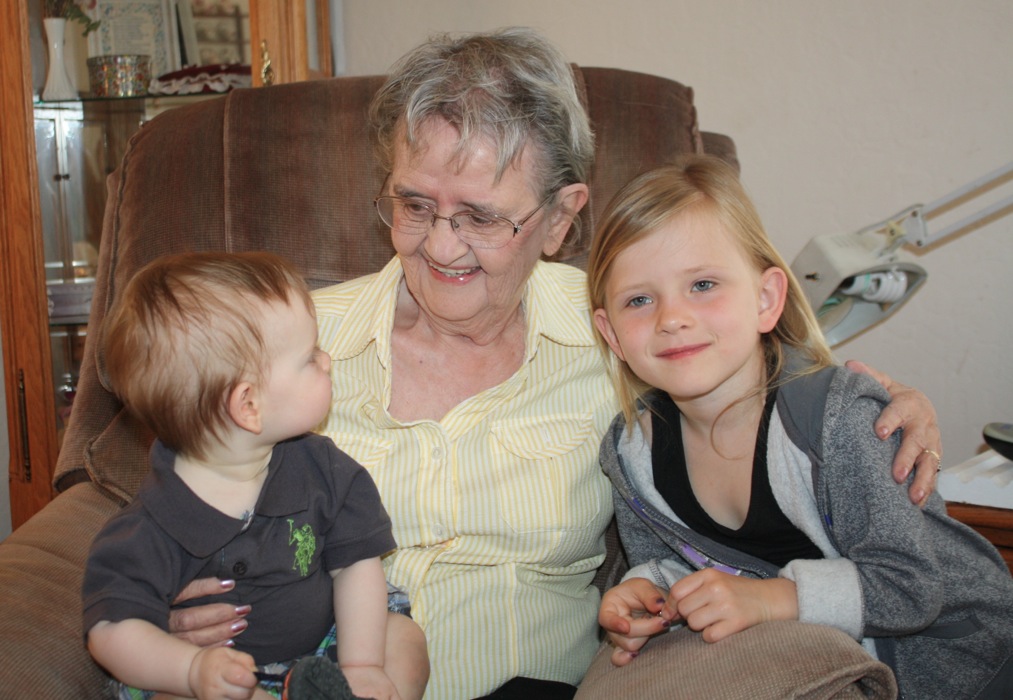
<point>773,660</point>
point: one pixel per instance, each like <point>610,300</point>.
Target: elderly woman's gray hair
<point>511,86</point>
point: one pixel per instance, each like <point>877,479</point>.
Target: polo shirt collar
<point>198,527</point>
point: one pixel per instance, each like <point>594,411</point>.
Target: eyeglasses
<point>413,217</point>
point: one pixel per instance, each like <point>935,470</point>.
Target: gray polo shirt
<point>319,510</point>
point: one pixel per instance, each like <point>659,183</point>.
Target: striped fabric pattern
<point>499,509</point>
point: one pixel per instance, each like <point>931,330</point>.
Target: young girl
<point>749,485</point>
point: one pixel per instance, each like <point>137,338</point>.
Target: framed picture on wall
<point>131,27</point>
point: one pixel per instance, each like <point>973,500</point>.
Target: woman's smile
<point>454,274</point>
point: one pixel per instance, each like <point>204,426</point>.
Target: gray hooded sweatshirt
<point>923,593</point>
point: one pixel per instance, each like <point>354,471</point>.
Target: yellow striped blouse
<point>499,508</point>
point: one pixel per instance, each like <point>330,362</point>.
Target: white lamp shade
<point>852,284</point>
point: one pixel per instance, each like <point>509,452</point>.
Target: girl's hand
<point>921,446</point>
<point>222,673</point>
<point>208,625</point>
<point>630,614</point>
<point>719,604</point>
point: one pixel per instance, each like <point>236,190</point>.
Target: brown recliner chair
<point>287,169</point>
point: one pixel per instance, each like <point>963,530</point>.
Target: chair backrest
<point>290,169</point>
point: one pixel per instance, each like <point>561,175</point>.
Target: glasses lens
<point>482,230</point>
<point>405,215</point>
<point>412,217</point>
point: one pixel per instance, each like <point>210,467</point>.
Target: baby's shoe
<point>316,678</point>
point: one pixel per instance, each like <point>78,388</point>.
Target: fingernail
<point>230,643</point>
<point>660,601</point>
<point>238,626</point>
<point>227,584</point>
<point>243,610</point>
<point>634,654</point>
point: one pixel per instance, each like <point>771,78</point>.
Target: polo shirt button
<point>239,568</point>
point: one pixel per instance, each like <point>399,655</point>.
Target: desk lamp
<point>856,280</point>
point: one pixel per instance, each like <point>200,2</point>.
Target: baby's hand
<point>370,682</point>
<point>221,673</point>
<point>720,604</point>
<point>630,614</point>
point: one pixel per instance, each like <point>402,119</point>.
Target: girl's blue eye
<point>703,285</point>
<point>639,301</point>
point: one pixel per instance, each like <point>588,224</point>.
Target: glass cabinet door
<point>72,152</point>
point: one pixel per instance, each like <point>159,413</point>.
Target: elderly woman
<point>467,379</point>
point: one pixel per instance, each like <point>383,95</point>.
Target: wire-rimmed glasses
<point>478,229</point>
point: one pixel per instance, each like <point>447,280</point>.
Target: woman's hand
<point>630,614</point>
<point>719,604</point>
<point>921,447</point>
<point>208,625</point>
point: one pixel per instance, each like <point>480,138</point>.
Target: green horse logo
<point>305,545</point>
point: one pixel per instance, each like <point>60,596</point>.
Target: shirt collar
<point>377,302</point>
<point>555,310</point>
<point>552,310</point>
<point>198,527</point>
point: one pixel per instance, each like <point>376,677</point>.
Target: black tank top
<point>766,532</point>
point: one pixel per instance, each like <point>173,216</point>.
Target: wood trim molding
<point>283,26</point>
<point>24,317</point>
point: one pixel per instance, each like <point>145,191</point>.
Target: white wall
<point>843,113</point>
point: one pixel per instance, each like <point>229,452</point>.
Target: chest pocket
<point>546,471</point>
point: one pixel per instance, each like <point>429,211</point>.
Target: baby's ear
<point>244,408</point>
<point>773,292</point>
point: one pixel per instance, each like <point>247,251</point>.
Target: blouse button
<point>239,568</point>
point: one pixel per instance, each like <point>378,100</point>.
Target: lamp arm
<point>854,281</point>
<point>917,229</point>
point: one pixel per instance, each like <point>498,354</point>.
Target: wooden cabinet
<point>24,318</point>
<point>994,524</point>
<point>298,44</point>
<point>291,41</point>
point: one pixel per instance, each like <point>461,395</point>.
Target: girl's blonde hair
<point>186,331</point>
<point>652,200</point>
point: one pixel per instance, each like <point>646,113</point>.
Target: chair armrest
<point>41,566</point>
